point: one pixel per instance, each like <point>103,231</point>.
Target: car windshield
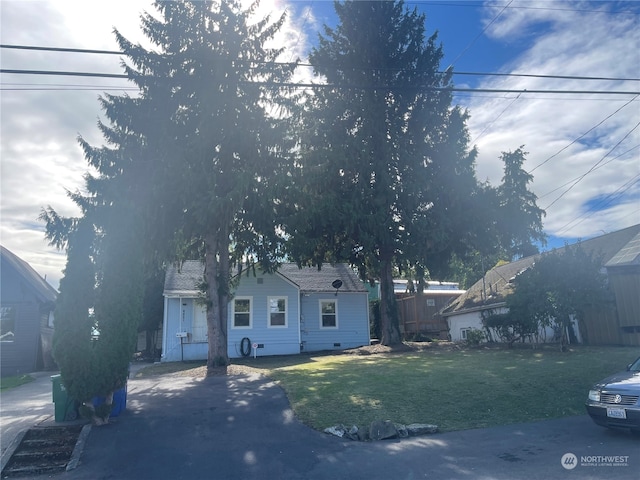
<point>635,366</point>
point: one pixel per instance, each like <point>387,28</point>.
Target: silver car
<point>614,402</point>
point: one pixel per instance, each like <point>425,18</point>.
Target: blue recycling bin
<point>119,401</point>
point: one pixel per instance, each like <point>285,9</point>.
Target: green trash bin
<point>64,406</point>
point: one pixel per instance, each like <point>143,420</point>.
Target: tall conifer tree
<point>215,145</point>
<point>386,173</point>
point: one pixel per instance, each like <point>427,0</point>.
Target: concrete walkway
<point>25,406</point>
<point>243,428</point>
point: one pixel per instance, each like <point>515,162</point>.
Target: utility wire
<point>356,87</point>
<point>601,204</point>
<point>593,167</point>
<point>495,119</point>
<point>480,34</point>
<point>583,135</point>
<point>304,64</point>
<point>479,5</point>
<point>576,178</point>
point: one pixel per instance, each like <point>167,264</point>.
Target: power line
<point>61,73</point>
<point>593,167</point>
<point>480,34</point>
<point>495,119</point>
<point>61,49</point>
<point>480,5</point>
<point>583,135</point>
<point>305,64</point>
<point>355,87</point>
<point>576,178</point>
<point>602,203</point>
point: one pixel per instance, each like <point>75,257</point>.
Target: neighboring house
<point>27,302</point>
<point>283,313</point>
<point>620,324</point>
<point>419,313</point>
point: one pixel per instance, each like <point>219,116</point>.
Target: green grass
<point>11,382</point>
<point>454,389</point>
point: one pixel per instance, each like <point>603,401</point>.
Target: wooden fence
<point>419,314</point>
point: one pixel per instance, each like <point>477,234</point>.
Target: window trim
<point>233,314</point>
<point>320,303</point>
<point>464,331</point>
<point>286,311</point>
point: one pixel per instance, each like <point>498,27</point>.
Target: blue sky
<point>568,136</point>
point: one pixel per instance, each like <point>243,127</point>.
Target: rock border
<point>381,430</point>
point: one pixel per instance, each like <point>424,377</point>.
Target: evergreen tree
<point>206,116</point>
<point>386,176</point>
<point>72,348</point>
<point>519,216</point>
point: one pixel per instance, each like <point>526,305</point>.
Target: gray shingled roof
<point>182,279</point>
<point>312,280</point>
<point>41,288</point>
<point>616,249</point>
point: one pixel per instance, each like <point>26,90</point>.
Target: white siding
<point>473,320</point>
<point>458,323</point>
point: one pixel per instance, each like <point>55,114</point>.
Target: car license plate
<point>616,413</point>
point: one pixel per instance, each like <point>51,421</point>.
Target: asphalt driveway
<point>243,428</point>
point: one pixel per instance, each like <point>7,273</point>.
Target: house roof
<point>619,248</point>
<point>44,291</point>
<point>628,255</point>
<point>312,280</point>
<point>183,279</point>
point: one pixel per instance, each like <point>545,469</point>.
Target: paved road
<point>242,428</point>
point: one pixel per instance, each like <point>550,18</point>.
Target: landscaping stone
<point>382,429</point>
<point>337,430</point>
<point>402,430</point>
<point>416,429</point>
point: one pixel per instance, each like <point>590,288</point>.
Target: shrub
<point>475,337</point>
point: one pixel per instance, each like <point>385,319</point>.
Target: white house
<point>286,312</point>
<point>598,327</point>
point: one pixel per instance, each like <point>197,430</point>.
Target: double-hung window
<point>277,311</point>
<point>328,314</point>
<point>242,312</point>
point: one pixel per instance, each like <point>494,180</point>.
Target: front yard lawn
<point>456,389</point>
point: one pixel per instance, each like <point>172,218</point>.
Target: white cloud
<point>569,42</point>
<point>41,158</point>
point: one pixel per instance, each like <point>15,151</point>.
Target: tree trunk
<point>217,359</point>
<point>388,308</point>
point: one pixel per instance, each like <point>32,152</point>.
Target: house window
<point>242,312</point>
<point>199,328</point>
<point>328,314</point>
<point>463,333</point>
<point>7,323</point>
<point>277,311</point>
